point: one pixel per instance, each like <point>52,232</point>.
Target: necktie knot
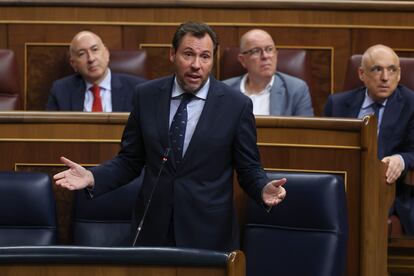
<point>186,98</point>
<point>376,106</point>
<point>97,102</point>
<point>95,90</point>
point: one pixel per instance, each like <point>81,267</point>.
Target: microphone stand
<point>164,160</point>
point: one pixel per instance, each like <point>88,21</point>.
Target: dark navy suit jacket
<point>396,136</point>
<point>197,195</point>
<point>68,93</point>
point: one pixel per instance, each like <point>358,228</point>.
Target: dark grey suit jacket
<point>289,95</point>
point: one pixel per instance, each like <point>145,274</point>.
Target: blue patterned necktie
<point>178,127</point>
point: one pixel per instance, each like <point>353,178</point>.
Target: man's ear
<point>73,64</point>
<point>108,54</point>
<point>242,61</point>
<point>361,74</point>
<point>172,54</point>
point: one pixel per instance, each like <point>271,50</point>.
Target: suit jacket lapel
<point>390,117</point>
<point>162,99</point>
<point>392,110</point>
<point>276,93</point>
<point>207,116</point>
<point>353,104</point>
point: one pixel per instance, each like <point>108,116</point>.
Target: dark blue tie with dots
<point>178,126</point>
<point>376,106</point>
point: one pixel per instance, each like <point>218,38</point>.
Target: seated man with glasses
<point>272,93</point>
<point>393,105</point>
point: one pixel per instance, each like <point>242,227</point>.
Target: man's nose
<point>265,54</point>
<point>196,63</point>
<point>91,57</point>
<point>385,75</point>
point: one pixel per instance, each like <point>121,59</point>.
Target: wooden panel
<point>401,256</point>
<point>281,4</point>
<point>3,37</point>
<point>363,38</point>
<point>346,147</point>
<point>258,15</point>
<point>45,64</point>
<point>159,64</point>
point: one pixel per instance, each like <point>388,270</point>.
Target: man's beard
<point>192,91</point>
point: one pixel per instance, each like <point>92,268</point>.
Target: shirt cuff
<point>90,191</point>
<point>267,208</point>
<point>402,160</point>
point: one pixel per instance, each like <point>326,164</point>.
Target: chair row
<point>305,235</point>
<point>291,61</point>
<point>28,213</point>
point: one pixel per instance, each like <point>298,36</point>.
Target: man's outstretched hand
<point>273,193</point>
<point>74,178</point>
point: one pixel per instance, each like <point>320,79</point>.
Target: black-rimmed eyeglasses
<point>257,51</point>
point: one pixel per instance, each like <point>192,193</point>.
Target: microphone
<point>163,161</point>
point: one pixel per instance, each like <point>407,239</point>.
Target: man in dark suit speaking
<point>393,106</point>
<point>210,130</point>
<point>94,87</point>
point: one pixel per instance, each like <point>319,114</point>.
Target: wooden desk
<point>401,256</point>
<point>35,140</point>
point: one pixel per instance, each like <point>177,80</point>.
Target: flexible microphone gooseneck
<point>164,160</point>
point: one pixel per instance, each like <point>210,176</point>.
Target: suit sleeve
<point>52,104</point>
<point>408,155</point>
<point>327,111</point>
<point>129,161</point>
<point>251,176</point>
<point>304,104</point>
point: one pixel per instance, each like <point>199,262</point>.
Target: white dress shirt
<point>106,95</point>
<point>261,100</point>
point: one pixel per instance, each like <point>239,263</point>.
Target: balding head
<point>375,51</point>
<point>258,55</point>
<point>81,36</point>
<point>380,71</point>
<point>89,56</point>
<point>252,36</point>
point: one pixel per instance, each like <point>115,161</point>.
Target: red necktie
<point>97,103</point>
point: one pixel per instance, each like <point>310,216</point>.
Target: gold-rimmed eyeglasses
<point>257,51</point>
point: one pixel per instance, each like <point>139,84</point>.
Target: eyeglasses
<point>257,52</point>
<point>379,70</point>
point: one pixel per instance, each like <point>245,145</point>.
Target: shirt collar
<point>266,89</point>
<point>105,83</point>
<point>201,94</point>
<point>368,101</point>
